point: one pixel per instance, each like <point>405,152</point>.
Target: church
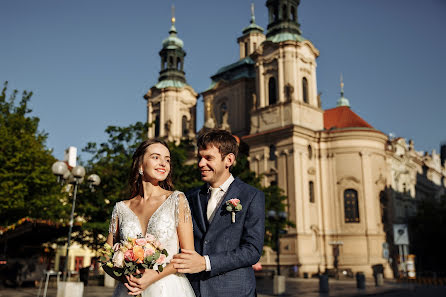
<point>335,168</point>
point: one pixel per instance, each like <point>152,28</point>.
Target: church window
<point>351,209</point>
<point>163,64</point>
<point>171,64</point>
<point>272,152</point>
<point>157,126</point>
<point>272,93</point>
<point>305,90</point>
<point>178,63</point>
<point>310,152</point>
<point>293,14</point>
<point>184,126</point>
<point>311,191</point>
<point>246,49</point>
<point>254,45</point>
<point>275,14</point>
<point>404,188</point>
<point>284,13</point>
<point>223,111</point>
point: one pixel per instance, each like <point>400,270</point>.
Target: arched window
<point>222,112</point>
<point>351,209</point>
<point>246,49</point>
<point>163,64</point>
<point>275,14</point>
<point>185,130</point>
<point>310,152</point>
<point>272,152</point>
<point>178,64</point>
<point>171,64</point>
<point>293,13</point>
<point>284,13</point>
<point>272,93</point>
<point>157,126</point>
<point>311,191</point>
<point>305,90</point>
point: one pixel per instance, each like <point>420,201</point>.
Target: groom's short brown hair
<point>224,141</point>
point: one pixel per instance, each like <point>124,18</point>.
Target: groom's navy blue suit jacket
<point>232,247</point>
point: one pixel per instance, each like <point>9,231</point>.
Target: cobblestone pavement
<point>295,287</point>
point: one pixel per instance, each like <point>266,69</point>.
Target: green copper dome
<point>343,102</point>
<point>172,41</point>
<point>253,27</point>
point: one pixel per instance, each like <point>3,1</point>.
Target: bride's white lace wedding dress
<point>163,225</point>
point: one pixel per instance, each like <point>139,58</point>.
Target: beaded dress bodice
<point>162,224</point>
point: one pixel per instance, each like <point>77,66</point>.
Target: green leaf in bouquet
<point>165,252</point>
<point>156,255</point>
<point>160,268</point>
<point>117,273</point>
<point>126,271</point>
<point>145,266</point>
<point>103,259</point>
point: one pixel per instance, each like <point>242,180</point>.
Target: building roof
<point>244,68</point>
<point>285,36</point>
<point>343,117</point>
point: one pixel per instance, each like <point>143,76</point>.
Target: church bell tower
<point>171,103</point>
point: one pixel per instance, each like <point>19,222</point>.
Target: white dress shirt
<point>219,196</point>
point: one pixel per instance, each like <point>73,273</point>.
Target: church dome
<point>343,102</point>
<point>173,41</point>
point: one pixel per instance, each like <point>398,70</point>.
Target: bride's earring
<point>140,171</point>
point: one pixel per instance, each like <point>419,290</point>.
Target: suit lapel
<point>221,209</point>
<point>201,205</point>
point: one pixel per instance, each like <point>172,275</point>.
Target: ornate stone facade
<point>346,182</point>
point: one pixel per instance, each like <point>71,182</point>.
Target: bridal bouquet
<point>127,256</point>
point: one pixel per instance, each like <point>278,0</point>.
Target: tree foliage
<point>111,160</point>
<point>27,186</point>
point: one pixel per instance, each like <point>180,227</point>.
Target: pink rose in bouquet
<point>141,241</point>
<point>133,254</point>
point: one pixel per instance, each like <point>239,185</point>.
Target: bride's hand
<point>138,285</point>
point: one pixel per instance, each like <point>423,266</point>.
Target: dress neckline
<point>153,214</point>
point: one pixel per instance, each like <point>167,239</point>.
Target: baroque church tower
<point>330,164</point>
<point>171,103</point>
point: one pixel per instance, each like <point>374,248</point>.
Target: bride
<point>153,209</point>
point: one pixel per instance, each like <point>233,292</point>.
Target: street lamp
<point>277,218</point>
<point>76,177</point>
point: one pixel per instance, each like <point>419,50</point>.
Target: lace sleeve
<point>113,228</point>
<point>182,213</point>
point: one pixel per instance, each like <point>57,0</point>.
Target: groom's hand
<point>189,262</point>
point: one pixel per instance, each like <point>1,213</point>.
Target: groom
<point>226,244</point>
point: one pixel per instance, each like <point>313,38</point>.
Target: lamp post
<point>75,177</point>
<point>277,218</point>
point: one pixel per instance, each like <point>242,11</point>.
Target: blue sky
<point>90,62</point>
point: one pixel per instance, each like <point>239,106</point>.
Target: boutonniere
<point>233,205</point>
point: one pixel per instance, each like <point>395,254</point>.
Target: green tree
<point>27,186</point>
<point>111,160</point>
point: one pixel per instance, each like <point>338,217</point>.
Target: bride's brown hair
<point>135,179</point>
